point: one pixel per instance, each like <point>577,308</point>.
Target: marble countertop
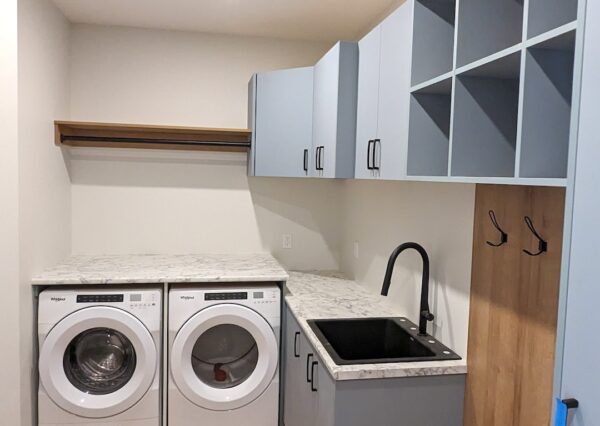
<point>328,296</point>
<point>131,269</point>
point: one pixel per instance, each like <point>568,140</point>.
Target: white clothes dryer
<point>224,356</point>
<point>99,361</point>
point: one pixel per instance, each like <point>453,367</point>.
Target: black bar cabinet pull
<point>296,352</point>
<point>306,160</point>
<point>375,143</point>
<point>369,167</point>
<point>321,158</point>
<point>308,377</point>
<point>312,373</point>
<point>317,151</point>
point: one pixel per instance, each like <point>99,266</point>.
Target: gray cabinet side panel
<point>283,122</point>
<point>408,401</point>
<point>580,374</point>
<point>251,122</point>
<point>394,93</point>
<point>346,129</point>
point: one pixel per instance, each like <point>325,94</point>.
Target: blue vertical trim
<point>560,417</point>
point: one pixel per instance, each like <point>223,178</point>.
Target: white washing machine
<point>224,356</point>
<point>99,360</point>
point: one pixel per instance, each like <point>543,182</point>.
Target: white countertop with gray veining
<point>329,296</point>
<point>131,269</point>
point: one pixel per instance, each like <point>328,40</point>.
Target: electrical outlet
<point>356,250</point>
<point>286,242</point>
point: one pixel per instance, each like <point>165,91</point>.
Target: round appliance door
<point>224,357</point>
<point>98,362</point>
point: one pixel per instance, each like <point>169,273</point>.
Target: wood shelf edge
<point>141,136</point>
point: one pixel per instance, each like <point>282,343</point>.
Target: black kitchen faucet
<point>424,312</point>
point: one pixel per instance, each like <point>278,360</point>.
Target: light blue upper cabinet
<point>369,49</point>
<point>383,97</point>
<point>334,112</point>
<point>280,114</point>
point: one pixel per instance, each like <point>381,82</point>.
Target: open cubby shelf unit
<point>494,105</point>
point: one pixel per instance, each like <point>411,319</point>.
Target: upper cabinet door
<point>394,93</point>
<point>384,97</point>
<point>369,50</point>
<point>334,112</point>
<point>283,111</point>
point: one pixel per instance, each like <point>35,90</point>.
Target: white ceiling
<point>319,20</point>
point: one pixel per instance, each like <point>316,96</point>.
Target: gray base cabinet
<point>313,398</point>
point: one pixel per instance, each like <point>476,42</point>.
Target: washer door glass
<point>99,361</point>
<point>224,356</point>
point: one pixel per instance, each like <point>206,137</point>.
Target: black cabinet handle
<point>375,143</point>
<point>296,352</point>
<point>308,358</point>
<point>306,160</point>
<point>320,150</point>
<point>312,374</point>
<point>318,159</point>
<point>369,167</point>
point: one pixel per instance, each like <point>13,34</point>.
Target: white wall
<point>9,214</point>
<point>170,77</point>
<point>382,215</point>
<point>44,187</point>
<point>158,202</point>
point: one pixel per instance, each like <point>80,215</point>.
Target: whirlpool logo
<point>187,297</point>
<point>58,299</point>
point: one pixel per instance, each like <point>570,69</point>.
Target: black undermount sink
<point>378,341</point>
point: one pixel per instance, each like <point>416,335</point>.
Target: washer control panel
<point>242,295</point>
<point>100,298</point>
<point>259,296</point>
<point>142,300</point>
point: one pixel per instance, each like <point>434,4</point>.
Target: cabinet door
<point>394,93</point>
<point>307,399</point>
<point>325,112</point>
<point>300,402</point>
<point>369,52</point>
<point>323,388</point>
<point>294,385</point>
<point>334,112</point>
<point>283,122</point>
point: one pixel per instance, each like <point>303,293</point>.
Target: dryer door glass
<point>224,356</point>
<point>99,361</point>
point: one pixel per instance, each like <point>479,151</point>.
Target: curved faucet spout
<point>424,312</point>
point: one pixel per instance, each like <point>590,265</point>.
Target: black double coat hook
<point>542,244</point>
<point>503,235</point>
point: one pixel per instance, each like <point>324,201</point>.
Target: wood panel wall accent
<point>113,135</point>
<point>514,308</point>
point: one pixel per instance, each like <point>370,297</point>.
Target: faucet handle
<point>427,315</point>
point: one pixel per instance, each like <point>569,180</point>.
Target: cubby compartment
<point>548,91</point>
<point>433,39</point>
<point>486,110</point>
<point>429,130</point>
<point>546,15</point>
<point>486,27</point>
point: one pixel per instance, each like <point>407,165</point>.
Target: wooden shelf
<point>138,136</point>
